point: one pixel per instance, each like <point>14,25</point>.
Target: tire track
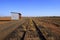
<point>41,36</point>
<point>18,33</point>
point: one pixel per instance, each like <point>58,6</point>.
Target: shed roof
<point>16,13</point>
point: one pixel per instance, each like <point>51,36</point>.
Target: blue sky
<point>30,7</point>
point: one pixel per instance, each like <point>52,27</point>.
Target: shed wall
<point>14,16</point>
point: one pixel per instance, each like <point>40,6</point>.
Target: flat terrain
<point>31,28</point>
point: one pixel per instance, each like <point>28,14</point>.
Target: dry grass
<point>5,18</point>
<point>3,22</point>
<point>47,26</point>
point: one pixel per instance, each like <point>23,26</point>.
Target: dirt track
<point>31,29</point>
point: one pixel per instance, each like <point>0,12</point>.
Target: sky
<point>30,7</point>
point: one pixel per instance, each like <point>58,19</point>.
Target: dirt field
<point>32,28</point>
<point>2,22</point>
<point>5,18</point>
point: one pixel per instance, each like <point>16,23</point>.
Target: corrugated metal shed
<point>15,16</point>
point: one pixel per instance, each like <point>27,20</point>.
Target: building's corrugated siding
<point>15,16</point>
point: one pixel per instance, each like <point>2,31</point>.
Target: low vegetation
<point>47,27</point>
